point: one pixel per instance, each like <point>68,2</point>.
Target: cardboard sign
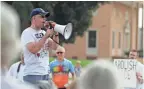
<point>127,72</point>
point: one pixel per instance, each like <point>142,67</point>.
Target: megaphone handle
<point>50,25</point>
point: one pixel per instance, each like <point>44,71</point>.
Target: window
<point>126,15</point>
<point>120,15</point>
<point>92,42</point>
<point>92,39</point>
<point>113,39</point>
<point>119,44</point>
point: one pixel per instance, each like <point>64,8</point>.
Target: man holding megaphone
<point>35,41</point>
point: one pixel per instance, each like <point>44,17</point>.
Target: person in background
<point>60,69</point>
<point>139,69</point>
<point>78,68</point>
<point>16,70</point>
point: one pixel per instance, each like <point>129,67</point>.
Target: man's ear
<point>33,18</point>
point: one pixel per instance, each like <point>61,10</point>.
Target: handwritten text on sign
<point>127,71</point>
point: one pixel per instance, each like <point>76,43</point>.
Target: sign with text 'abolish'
<point>127,72</point>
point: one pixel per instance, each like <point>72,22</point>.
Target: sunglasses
<point>59,52</point>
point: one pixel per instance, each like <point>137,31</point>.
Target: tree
<point>23,9</point>
<point>79,13</point>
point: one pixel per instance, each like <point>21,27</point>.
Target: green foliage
<point>23,8</point>
<point>79,13</point>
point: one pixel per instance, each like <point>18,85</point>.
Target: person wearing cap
<point>78,68</point>
<point>35,47</point>
<point>60,69</point>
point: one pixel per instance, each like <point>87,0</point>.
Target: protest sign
<point>127,72</point>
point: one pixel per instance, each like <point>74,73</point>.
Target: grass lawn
<point>84,62</point>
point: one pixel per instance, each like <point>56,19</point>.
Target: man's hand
<point>49,44</point>
<point>139,78</point>
<point>49,33</point>
<point>52,23</point>
<point>47,24</point>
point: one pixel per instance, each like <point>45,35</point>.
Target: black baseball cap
<point>39,11</point>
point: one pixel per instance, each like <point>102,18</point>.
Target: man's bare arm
<point>34,47</point>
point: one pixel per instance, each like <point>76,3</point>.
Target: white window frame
<point>94,50</point>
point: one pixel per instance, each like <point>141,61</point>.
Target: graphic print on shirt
<point>39,35</point>
<point>60,75</point>
<point>43,52</point>
<point>60,68</point>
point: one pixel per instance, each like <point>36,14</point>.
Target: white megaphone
<point>65,30</point>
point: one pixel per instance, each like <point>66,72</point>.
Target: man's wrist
<point>56,35</point>
<point>45,36</point>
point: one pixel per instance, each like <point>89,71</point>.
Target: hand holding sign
<point>139,78</point>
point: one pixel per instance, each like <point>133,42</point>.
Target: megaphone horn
<point>65,30</point>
